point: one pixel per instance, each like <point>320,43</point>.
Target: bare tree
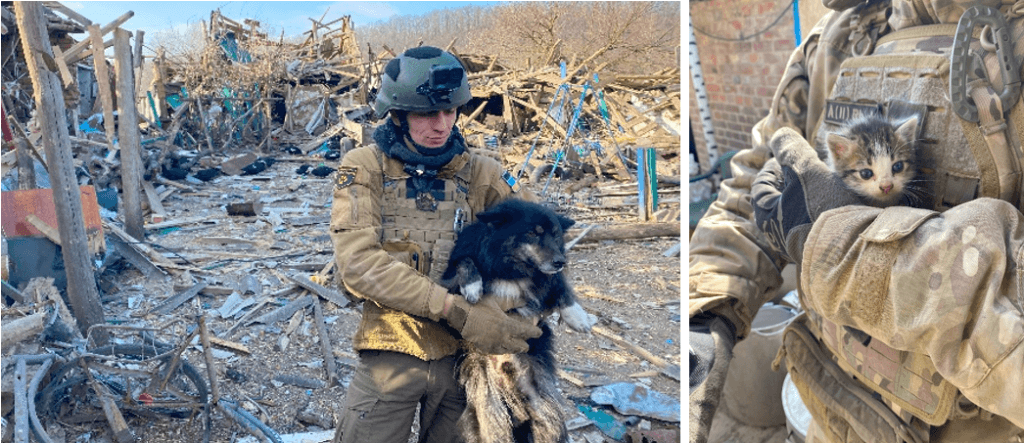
<point>627,37</point>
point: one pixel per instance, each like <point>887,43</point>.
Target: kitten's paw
<point>472,291</point>
<point>577,318</point>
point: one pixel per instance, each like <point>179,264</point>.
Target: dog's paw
<point>577,318</point>
<point>472,291</point>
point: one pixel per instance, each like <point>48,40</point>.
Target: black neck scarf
<point>422,166</point>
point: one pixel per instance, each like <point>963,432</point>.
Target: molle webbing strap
<point>1015,136</point>
<point>844,410</point>
<point>993,132</point>
<point>905,379</point>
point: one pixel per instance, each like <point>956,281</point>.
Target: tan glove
<point>487,327</point>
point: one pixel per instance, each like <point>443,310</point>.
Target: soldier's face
<point>431,129</point>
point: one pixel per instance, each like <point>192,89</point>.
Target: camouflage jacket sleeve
<point>364,267</point>
<point>732,272</point>
<point>946,285</point>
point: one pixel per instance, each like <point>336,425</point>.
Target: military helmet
<point>422,79</point>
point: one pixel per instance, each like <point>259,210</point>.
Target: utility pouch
<point>439,256</point>
<point>907,381</point>
<point>408,252</point>
<point>844,410</point>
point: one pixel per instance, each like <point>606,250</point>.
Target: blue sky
<point>292,16</point>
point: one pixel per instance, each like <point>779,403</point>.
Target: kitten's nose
<point>886,187</point>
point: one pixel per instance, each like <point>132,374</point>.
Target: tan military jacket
<point>403,305</point>
<point>946,284</point>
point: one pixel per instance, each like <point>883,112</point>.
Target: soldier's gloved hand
<point>792,190</point>
<point>711,342</point>
<point>486,326</point>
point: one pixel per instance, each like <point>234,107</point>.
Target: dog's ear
<point>495,217</point>
<point>566,222</point>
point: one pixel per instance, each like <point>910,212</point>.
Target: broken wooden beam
<point>237,348</point>
<point>211,369</point>
<point>46,229</point>
<point>72,52</point>
<point>327,293</point>
<point>325,341</point>
<point>12,292</point>
<point>293,324</point>
<point>139,260</point>
<point>17,330</point>
<point>285,311</point>
<point>156,257</point>
<point>176,300</point>
<point>629,232</point>
<point>670,370</point>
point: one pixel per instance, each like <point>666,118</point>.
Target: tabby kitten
<point>877,160</point>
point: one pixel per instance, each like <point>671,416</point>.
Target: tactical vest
<point>421,215</point>
<point>969,149</point>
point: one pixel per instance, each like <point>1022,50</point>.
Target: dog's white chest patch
<point>509,289</point>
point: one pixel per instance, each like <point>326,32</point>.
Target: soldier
<point>915,315</point>
<point>397,207</point>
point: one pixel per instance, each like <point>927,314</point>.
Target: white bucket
<point>751,394</point>
<point>798,418</point>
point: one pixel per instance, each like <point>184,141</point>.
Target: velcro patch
<point>344,176</point>
<point>840,113</point>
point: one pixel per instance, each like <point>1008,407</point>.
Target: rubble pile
<point>203,221</point>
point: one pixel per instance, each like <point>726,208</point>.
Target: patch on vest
<point>838,113</point>
<point>426,191</point>
<point>344,177</point>
<point>510,180</point>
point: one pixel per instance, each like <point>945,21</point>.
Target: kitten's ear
<point>907,130</point>
<point>839,145</point>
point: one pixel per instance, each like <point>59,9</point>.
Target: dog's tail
<point>486,418</point>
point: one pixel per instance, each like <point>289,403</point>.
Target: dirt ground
<point>629,285</point>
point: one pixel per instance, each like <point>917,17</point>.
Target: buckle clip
<point>962,62</point>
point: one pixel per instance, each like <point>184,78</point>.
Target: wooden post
<point>103,81</point>
<point>646,182</point>
<point>160,95</point>
<point>128,136</point>
<point>137,60</point>
<point>26,165</point>
<point>82,291</point>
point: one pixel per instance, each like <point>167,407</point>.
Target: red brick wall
<point>740,76</point>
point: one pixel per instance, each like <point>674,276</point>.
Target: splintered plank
<point>327,293</point>
<point>285,311</point>
<point>103,81</point>
<point>72,52</point>
<point>670,370</point>
<point>176,300</point>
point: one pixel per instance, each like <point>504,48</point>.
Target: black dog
<point>515,250</point>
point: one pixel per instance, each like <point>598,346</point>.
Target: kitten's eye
<point>897,167</point>
<point>866,174</point>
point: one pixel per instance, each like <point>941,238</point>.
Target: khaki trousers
<point>381,400</point>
